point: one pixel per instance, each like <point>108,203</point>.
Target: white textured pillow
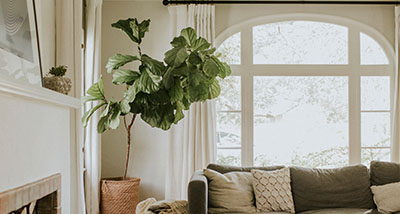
<point>387,197</point>
<point>272,190</point>
<point>230,192</point>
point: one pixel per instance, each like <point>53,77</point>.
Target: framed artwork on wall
<point>19,44</point>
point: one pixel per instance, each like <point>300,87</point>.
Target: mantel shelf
<point>39,93</point>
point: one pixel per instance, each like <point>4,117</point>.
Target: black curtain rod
<point>167,2</point>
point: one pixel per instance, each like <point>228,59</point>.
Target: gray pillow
<point>230,192</point>
<point>384,172</point>
<point>347,187</point>
<point>225,169</point>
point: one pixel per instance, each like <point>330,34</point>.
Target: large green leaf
<point>214,89</point>
<point>114,118</point>
<point>200,44</point>
<point>125,76</point>
<point>207,52</point>
<point>223,68</point>
<point>106,110</point>
<point>159,116</point>
<point>168,79</point>
<point>176,56</point>
<point>147,82</point>
<point>95,92</point>
<point>88,114</point>
<point>125,25</point>
<point>155,66</point>
<point>129,96</point>
<point>179,41</point>
<point>179,112</point>
<point>176,92</point>
<point>103,124</point>
<point>198,92</point>
<point>194,58</point>
<point>190,36</point>
<point>139,29</point>
<point>195,77</point>
<point>144,27</point>
<point>211,68</point>
<point>119,60</point>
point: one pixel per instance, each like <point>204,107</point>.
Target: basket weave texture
<point>119,196</point>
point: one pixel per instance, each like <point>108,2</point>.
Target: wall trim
<point>39,94</point>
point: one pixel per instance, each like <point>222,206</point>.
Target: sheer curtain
<point>193,141</point>
<point>396,101</point>
<point>91,75</point>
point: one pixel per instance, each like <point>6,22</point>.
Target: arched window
<point>304,91</point>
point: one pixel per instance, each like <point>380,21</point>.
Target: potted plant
<point>56,81</point>
<point>157,91</point>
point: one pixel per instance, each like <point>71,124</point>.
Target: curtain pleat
<point>92,139</point>
<point>193,140</point>
<point>396,100</point>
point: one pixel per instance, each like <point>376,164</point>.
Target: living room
<point>151,106</point>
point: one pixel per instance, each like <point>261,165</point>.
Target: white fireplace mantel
<point>38,93</point>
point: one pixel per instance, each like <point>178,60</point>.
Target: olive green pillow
<point>384,172</point>
<point>347,187</point>
<point>230,192</point>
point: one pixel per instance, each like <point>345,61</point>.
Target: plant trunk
<point>128,149</point>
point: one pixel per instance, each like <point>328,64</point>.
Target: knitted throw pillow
<point>272,190</point>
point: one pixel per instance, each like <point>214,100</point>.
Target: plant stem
<point>140,51</point>
<point>128,131</point>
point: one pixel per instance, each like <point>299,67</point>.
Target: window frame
<point>354,70</point>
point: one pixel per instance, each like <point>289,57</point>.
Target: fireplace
<point>39,197</point>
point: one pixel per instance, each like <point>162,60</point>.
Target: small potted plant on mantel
<point>157,91</point>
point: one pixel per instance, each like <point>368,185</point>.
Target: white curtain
<point>91,74</point>
<point>193,141</point>
<point>396,106</point>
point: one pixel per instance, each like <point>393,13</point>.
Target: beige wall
<point>379,17</point>
<point>149,158</point>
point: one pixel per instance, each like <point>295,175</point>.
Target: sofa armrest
<point>198,193</point>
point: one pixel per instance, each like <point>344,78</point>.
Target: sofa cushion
<point>387,197</point>
<point>347,187</point>
<point>230,192</point>
<point>341,211</point>
<point>226,169</point>
<point>384,172</point>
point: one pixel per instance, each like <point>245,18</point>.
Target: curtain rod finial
<point>165,2</point>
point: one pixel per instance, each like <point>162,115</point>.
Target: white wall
<point>149,158</point>
<point>34,143</point>
<point>38,138</point>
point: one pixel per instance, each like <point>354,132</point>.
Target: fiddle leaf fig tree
<point>158,91</point>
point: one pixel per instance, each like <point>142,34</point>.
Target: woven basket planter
<point>60,84</point>
<point>119,196</point>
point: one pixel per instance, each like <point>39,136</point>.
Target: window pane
<point>229,99</point>
<point>228,129</point>
<point>300,42</point>
<point>301,121</point>
<point>368,155</point>
<point>229,157</point>
<point>371,52</point>
<point>375,93</point>
<point>230,50</point>
<point>375,129</point>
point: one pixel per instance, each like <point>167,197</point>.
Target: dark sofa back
<point>384,172</point>
<point>347,187</point>
<point>225,169</point>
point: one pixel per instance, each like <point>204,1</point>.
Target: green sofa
<point>315,191</point>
